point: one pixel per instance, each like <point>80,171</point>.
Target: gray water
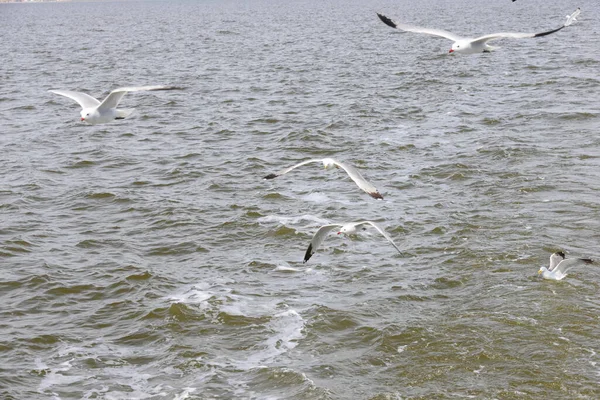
<point>148,259</point>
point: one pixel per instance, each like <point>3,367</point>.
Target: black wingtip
<point>386,20</point>
<point>270,176</point>
<point>168,88</point>
<point>549,32</point>
<point>560,254</point>
<point>308,254</point>
<point>588,260</point>
<point>376,195</point>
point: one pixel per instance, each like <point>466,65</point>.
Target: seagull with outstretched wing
<point>466,45</point>
<point>345,229</point>
<point>96,112</point>
<point>559,265</point>
<point>330,163</point>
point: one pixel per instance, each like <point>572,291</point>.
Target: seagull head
<point>542,271</point>
<point>347,229</point>
<point>460,46</point>
<point>89,115</point>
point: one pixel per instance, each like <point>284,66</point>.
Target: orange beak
<point>451,51</point>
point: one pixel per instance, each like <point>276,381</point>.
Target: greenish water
<point>148,259</point>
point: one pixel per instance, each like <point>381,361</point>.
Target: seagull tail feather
<point>124,112</point>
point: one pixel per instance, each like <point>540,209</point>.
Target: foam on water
<point>285,327</point>
<point>317,197</point>
<point>283,220</point>
<point>195,294</point>
<point>112,374</point>
<point>185,394</point>
<point>285,331</point>
<point>224,300</point>
<point>287,268</point>
<point>56,376</point>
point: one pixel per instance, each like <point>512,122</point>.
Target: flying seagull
<point>345,229</point>
<point>95,112</point>
<point>466,45</point>
<point>573,17</point>
<point>330,163</point>
<point>559,266</point>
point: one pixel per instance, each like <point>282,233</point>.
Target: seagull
<point>559,266</point>
<point>330,163</point>
<point>466,45</point>
<point>345,229</point>
<point>95,112</point>
<point>573,17</point>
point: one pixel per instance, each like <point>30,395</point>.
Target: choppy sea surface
<point>148,259</point>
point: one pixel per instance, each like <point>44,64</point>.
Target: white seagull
<point>573,17</point>
<point>466,45</point>
<point>345,229</point>
<point>559,266</point>
<point>330,163</point>
<point>95,112</point>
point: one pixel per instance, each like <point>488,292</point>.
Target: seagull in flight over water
<point>345,229</point>
<point>96,112</point>
<point>466,45</point>
<point>559,265</point>
<point>330,163</point>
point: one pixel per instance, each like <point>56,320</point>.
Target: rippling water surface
<point>148,259</point>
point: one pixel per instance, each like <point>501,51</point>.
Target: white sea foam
<point>185,394</point>
<point>287,328</point>
<point>202,291</point>
<point>56,376</point>
<point>103,384</point>
<point>287,268</point>
<point>224,299</point>
<point>247,306</point>
<point>316,198</point>
<point>285,220</point>
<point>193,295</point>
<point>279,335</point>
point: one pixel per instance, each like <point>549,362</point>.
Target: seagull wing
<point>418,29</point>
<point>385,235</point>
<point>359,180</point>
<point>569,263</point>
<point>285,171</point>
<point>555,259</point>
<point>318,239</point>
<point>513,35</point>
<point>502,35</point>
<point>84,100</point>
<point>113,99</point>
